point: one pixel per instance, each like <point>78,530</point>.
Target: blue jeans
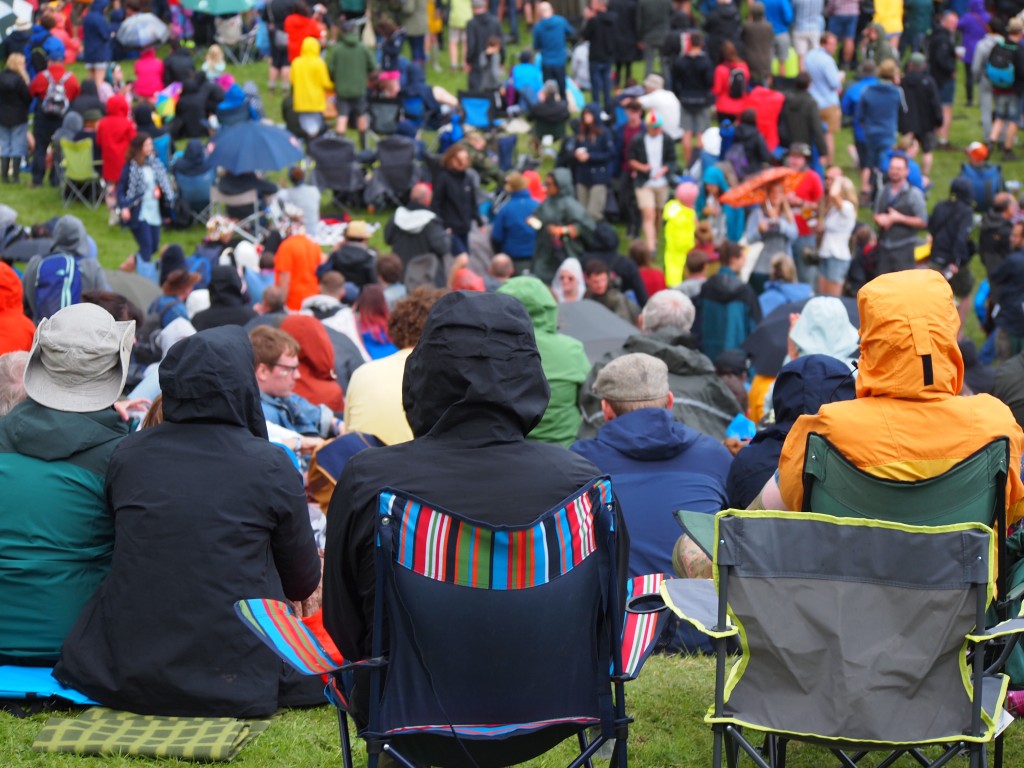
<point>510,7</point>
<point>416,49</point>
<point>601,85</point>
<point>147,236</point>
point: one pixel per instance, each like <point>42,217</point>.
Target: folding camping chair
<point>248,226</point>
<point>335,167</point>
<point>162,149</point>
<point>239,46</point>
<point>197,191</point>
<point>468,673</point>
<point>478,109</point>
<point>79,179</point>
<point>385,115</point>
<point>395,174</point>
<point>854,636</point>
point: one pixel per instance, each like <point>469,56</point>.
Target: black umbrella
<point>136,288</point>
<point>766,344</point>
<point>600,329</point>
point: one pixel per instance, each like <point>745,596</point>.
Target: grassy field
<point>668,703</point>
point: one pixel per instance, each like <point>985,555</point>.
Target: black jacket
<point>179,67</point>
<point>924,110</point>
<point>455,201</point>
<point>471,396</point>
<point>356,263</point>
<point>723,23</point>
<point>800,120</point>
<point>604,245</point>
<point>14,99</point>
<point>206,512</point>
<point>415,231</point>
<point>478,31</point>
<point>942,56</point>
<point>994,240</point>
<point>602,32</point>
<point>198,100</point>
<point>950,226</point>
<point>227,307</point>
<point>692,78</point>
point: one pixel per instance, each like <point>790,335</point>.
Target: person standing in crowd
<point>600,29</point>
<point>98,35</point>
<point>732,77</point>
<point>454,198</point>
<point>842,22</point>
<point>311,83</point>
<point>350,63</point>
<point>693,76</point>
<point>973,27</point>
<point>758,38</point>
<point>479,31</point>
<point>826,84</point>
<point>923,115</point>
<point>878,111</point>
<point>653,19</point>
<point>15,100</point>
<point>836,227</point>
<point>1007,95</point>
<point>551,35</point>
<point>900,214</point>
<point>942,59</point>
<point>652,158</point>
<point>563,227</point>
<point>144,193</point>
<point>807,26</point>
<point>593,150</point>
<point>114,134</point>
<point>54,88</point>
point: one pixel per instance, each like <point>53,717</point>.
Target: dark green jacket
<point>56,536</point>
<point>349,63</point>
<point>562,209</point>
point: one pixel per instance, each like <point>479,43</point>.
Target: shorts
<point>833,119</point>
<point>456,35</point>
<point>872,154</point>
<point>780,48</point>
<point>834,269</point>
<point>651,198</point>
<point>14,141</point>
<point>804,40</point>
<point>278,57</point>
<point>947,92</point>
<point>1007,106</point>
<point>91,65</point>
<point>927,141</point>
<point>843,27</point>
<point>695,121</point>
<point>352,108</point>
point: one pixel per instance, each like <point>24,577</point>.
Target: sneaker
<point>1008,154</point>
<point>113,218</point>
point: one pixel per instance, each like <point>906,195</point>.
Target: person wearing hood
<point>569,285</point>
<point>474,388</point>
<point>996,228</point>
<point>592,151</point>
<point>234,107</point>
<point>418,237</point>
<point>149,74</point>
<point>510,232</point>
<point>178,64</point>
<point>317,382</point>
<point>113,135</point>
<point>238,525</point>
<point>70,127</point>
<point>728,307</point>
<point>16,330</point>
<point>909,378</point>
<point>702,400</point>
<point>89,102</point>
<point>194,161</point>
<point>69,239</point>
<point>97,51</point>
<point>802,387</point>
<point>349,64</point>
<point>657,466</point>
<point>950,226</point>
<point>564,226</point>
<point>198,101</point>
<point>311,82</point>
<point>727,222</point>
<point>875,44</point>
<point>227,306</point>
<point>142,115</point>
<point>564,362</point>
<point>55,447</point>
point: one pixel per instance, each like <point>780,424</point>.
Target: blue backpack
<point>985,180</point>
<point>999,68</point>
<point>58,284</point>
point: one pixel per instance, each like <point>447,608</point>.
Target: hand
<point>554,230</point>
<point>126,214</point>
<point>467,68</point>
<point>139,405</point>
<point>571,230</point>
<point>763,225</point>
<point>883,220</point>
<point>310,444</point>
<point>461,261</point>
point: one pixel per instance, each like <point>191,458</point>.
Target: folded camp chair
<point>395,174</point>
<point>248,226</point>
<point>79,178</point>
<point>336,168</point>
<point>500,641</point>
<point>239,46</point>
<point>854,636</point>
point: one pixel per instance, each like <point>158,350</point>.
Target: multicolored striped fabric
<point>276,624</point>
<point>640,630</point>
<point>444,547</point>
<point>493,731</point>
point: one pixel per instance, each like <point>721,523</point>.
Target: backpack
<point>55,102</point>
<point>38,58</point>
<point>737,83</point>
<point>985,181</point>
<point>58,284</point>
<point>737,157</point>
<point>999,68</point>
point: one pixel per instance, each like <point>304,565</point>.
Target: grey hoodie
<point>69,238</point>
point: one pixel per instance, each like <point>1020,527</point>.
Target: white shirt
<point>839,224</point>
<point>655,147</point>
<point>667,105</point>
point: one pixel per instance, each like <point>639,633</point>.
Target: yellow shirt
<point>373,402</point>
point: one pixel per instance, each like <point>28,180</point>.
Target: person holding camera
<point>773,224</point>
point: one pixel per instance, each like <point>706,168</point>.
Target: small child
<point>213,64</point>
<point>680,229</point>
<point>491,71</point>
<point>653,278</point>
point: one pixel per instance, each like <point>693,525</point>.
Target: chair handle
<point>652,602</point>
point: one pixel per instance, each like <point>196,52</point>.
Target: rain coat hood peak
<point>537,299</point>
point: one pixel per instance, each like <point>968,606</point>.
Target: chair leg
<point>584,743</point>
<point>346,740</point>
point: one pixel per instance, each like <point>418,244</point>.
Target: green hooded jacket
<point>564,362</point>
<point>349,63</point>
<point>562,210</point>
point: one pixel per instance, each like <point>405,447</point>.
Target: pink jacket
<point>149,74</point>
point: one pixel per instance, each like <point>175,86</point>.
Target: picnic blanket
<point>107,732</point>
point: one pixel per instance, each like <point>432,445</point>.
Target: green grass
<point>668,703</point>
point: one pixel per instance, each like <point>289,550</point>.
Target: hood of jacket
<point>604,239</point>
<point>824,328</point>
<point>30,428</point>
<point>649,434</point>
<point>310,48</point>
<point>476,371</point>
<point>98,6</point>
<point>349,39</point>
<point>563,178</point>
<point>316,353</point>
<point>225,287</point>
<point>10,289</point>
<point>193,162</point>
<point>235,97</point>
<point>143,116</point>
<point>72,124</point>
<point>413,220</point>
<point>961,190</point>
<point>211,377</point>
<point>908,328</point>
<point>69,236</point>
<point>669,347</point>
<point>117,106</point>
<point>537,299</point>
<point>724,287</point>
<point>148,53</point>
<point>806,384</point>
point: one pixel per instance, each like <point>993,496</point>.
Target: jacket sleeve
<point>122,187</point>
<point>439,239</point>
<point>292,544</point>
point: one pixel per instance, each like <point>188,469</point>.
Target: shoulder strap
<point>64,77</point>
<point>49,76</point>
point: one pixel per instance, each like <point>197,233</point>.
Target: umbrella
<point>252,146</point>
<point>10,10</point>
<point>766,344</point>
<point>139,290</point>
<point>141,31</point>
<point>219,7</point>
<point>754,190</point>
<point>600,329</point>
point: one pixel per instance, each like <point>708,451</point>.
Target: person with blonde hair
<point>839,220</point>
<point>213,64</point>
<point>15,100</point>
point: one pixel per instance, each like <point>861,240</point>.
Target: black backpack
<point>38,58</point>
<point>737,83</point>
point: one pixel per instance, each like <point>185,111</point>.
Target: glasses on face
<point>289,370</point>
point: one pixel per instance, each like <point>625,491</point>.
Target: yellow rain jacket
<point>311,81</point>
<point>908,422</point>
<point>680,226</point>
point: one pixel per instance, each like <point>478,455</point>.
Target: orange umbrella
<point>754,190</point>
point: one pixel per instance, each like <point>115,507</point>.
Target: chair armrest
<point>644,620</point>
<point>696,601</point>
<point>1003,628</point>
<point>699,526</point>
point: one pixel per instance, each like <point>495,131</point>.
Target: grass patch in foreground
<point>668,703</point>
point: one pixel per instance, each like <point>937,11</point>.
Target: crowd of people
<point>228,439</point>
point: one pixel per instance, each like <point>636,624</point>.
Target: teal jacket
<point>56,536</point>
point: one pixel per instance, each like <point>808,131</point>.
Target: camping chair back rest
<point>79,163</point>
<point>973,491</point>
<point>335,162</point>
<point>162,148</point>
<point>384,115</point>
<point>196,190</point>
<point>848,626</point>
<point>474,612</point>
<point>414,108</point>
<point>228,29</point>
<point>396,159</point>
<point>477,109</point>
